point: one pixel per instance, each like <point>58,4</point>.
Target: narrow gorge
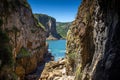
<point>92,42</point>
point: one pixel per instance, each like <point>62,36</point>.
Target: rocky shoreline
<point>51,70</point>
<point>56,71</point>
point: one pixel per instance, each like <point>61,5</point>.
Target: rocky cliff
<point>22,40</point>
<point>93,41</point>
<point>50,25</point>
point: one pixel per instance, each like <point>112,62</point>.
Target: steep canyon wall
<point>22,40</point>
<point>93,41</point>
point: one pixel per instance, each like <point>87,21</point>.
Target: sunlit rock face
<point>27,39</point>
<point>49,24</point>
<point>93,41</point>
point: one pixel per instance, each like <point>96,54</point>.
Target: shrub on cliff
<point>71,59</point>
<point>23,53</point>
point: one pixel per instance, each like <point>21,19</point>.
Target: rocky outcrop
<point>50,26</point>
<point>56,71</point>
<point>22,40</point>
<point>93,41</point>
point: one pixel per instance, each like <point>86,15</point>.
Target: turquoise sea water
<point>57,48</point>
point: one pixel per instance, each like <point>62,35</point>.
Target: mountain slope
<point>62,28</point>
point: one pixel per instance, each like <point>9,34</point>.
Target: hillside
<point>62,28</point>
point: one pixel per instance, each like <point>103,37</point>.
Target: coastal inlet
<point>57,48</point>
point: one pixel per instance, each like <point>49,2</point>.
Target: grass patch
<point>39,24</point>
<point>71,58</point>
<point>23,53</point>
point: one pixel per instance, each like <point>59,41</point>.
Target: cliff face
<point>93,41</point>
<point>50,25</point>
<point>22,40</point>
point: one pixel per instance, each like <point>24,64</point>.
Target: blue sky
<point>62,10</point>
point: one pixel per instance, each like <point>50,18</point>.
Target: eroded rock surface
<point>56,71</point>
<point>26,39</point>
<point>93,41</point>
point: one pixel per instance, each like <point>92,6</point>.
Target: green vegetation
<point>78,72</point>
<point>41,25</point>
<point>42,19</point>
<point>26,4</point>
<point>23,53</point>
<point>14,76</point>
<point>62,28</point>
<point>71,58</point>
<point>37,16</point>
